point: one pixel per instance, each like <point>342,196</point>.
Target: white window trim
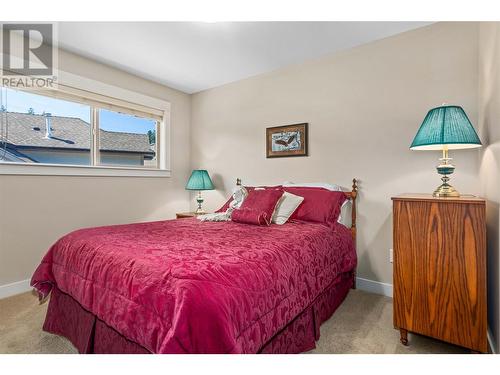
<point>82,83</point>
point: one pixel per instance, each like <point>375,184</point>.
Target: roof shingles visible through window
<point>68,132</point>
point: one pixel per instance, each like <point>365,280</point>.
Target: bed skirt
<point>66,317</point>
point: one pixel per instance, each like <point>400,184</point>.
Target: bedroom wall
<point>36,210</point>
<point>363,107</point>
<point>489,125</point>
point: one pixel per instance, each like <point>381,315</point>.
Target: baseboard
<point>374,286</point>
<point>493,348</point>
<point>18,287</point>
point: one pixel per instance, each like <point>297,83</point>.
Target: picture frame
<point>287,140</point>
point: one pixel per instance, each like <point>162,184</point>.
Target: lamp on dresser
<point>439,241</point>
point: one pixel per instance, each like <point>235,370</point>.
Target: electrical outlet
<point>391,256</point>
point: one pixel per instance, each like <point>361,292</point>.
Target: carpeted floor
<point>362,324</point>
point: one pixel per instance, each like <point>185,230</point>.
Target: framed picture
<point>288,140</point>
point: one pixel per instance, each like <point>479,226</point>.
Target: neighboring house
<point>30,139</point>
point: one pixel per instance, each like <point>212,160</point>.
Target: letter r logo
<point>27,49</point>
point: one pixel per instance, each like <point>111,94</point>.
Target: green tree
<point>152,137</point>
<point>31,111</point>
<point>3,109</point>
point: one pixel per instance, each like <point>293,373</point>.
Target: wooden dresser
<point>440,269</point>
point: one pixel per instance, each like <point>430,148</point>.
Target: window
<point>77,128</point>
<point>40,129</point>
<point>126,140</point>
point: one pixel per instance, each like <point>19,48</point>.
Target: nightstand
<point>440,268</point>
<point>184,215</point>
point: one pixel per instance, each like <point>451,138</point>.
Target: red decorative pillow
<point>249,216</point>
<point>262,202</point>
<point>319,205</point>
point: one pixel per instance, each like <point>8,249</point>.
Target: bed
<point>186,286</point>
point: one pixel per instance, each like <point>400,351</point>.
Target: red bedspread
<point>185,286</point>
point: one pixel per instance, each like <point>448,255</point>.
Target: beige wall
<point>489,123</point>
<point>363,107</point>
<point>36,210</point>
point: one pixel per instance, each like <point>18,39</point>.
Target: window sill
<point>79,170</point>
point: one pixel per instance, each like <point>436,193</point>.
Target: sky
<point>19,101</point>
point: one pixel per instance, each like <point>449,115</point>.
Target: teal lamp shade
<point>447,126</point>
<point>199,180</point>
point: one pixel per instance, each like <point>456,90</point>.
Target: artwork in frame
<point>288,140</point>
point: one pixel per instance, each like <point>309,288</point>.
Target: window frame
<point>71,87</point>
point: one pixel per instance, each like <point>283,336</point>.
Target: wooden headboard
<point>352,196</point>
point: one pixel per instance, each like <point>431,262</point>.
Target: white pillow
<point>285,207</point>
<point>345,217</point>
<point>324,185</point>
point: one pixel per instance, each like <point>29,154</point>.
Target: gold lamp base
<point>445,168</point>
<point>445,190</point>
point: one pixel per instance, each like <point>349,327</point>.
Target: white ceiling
<point>194,56</point>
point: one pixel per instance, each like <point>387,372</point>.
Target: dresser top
<point>465,198</point>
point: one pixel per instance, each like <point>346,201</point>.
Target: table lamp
<point>446,128</point>
<point>199,180</point>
